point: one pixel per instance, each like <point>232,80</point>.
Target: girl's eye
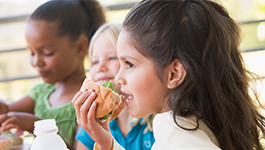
<point>113,58</point>
<point>48,54</point>
<point>94,62</point>
<point>32,54</point>
<point>129,65</point>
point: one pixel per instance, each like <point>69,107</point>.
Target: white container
<point>47,137</point>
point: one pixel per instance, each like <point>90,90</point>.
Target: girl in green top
<point>58,35</point>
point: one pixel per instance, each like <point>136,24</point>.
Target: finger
<point>76,97</point>
<point>10,120</point>
<point>3,117</point>
<point>92,113</point>
<point>98,130</point>
<point>79,101</point>
<point>85,108</point>
<point>78,94</point>
<point>8,124</point>
<point>12,126</point>
<point>7,127</point>
<point>92,123</point>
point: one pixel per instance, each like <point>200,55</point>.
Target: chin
<point>136,114</point>
<point>48,81</point>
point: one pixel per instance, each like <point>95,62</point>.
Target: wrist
<point>105,146</point>
<point>7,108</point>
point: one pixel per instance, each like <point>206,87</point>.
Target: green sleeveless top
<point>64,116</point>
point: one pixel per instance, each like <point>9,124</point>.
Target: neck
<point>71,83</point>
<point>65,90</point>
<point>124,120</point>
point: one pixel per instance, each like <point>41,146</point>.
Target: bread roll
<point>107,100</point>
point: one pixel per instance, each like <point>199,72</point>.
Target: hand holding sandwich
<point>92,103</point>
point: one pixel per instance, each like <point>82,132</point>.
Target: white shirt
<point>170,136</point>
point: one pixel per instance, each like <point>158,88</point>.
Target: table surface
<point>18,137</point>
<point>27,141</point>
<point>21,147</point>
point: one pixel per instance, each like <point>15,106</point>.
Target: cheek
<point>145,88</point>
<point>115,66</point>
<point>56,62</point>
<point>92,73</point>
<point>138,88</point>
<point>60,66</point>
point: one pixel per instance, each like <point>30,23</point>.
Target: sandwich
<point>5,144</point>
<point>109,102</point>
<point>9,139</point>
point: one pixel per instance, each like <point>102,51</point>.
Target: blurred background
<point>17,76</point>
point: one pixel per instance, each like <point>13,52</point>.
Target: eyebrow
<point>41,47</point>
<point>127,57</point>
<point>44,46</point>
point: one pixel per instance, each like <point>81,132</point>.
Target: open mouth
<point>129,100</point>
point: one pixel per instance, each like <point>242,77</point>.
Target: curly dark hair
<point>74,17</point>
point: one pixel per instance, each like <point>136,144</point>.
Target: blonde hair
<point>111,30</point>
<point>148,120</point>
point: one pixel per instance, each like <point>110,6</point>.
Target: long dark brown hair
<point>206,40</point>
<point>73,17</point>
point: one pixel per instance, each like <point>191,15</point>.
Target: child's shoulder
<point>41,89</point>
<point>184,133</point>
<point>43,86</point>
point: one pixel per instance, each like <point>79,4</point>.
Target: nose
<point>119,78</point>
<point>102,67</point>
<point>36,61</point>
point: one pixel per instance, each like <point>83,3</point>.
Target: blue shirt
<point>135,139</point>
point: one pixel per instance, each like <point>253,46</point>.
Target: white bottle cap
<point>47,125</point>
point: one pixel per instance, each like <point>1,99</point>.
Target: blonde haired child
<point>104,65</point>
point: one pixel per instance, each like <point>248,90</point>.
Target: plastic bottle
<point>46,136</point>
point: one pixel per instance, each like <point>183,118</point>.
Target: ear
<point>82,43</point>
<point>176,74</point>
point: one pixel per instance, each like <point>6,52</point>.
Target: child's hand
<point>19,120</point>
<point>85,107</point>
<point>3,107</point>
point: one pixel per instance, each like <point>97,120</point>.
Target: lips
<point>100,80</point>
<point>43,74</point>
<point>129,99</point>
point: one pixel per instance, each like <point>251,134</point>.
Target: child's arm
<point>18,120</point>
<point>85,111</point>
<point>116,146</point>
<point>84,141</point>
<point>25,104</point>
<point>81,146</point>
<point>3,107</point>
<point>18,115</point>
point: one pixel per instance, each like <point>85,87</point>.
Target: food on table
<point>9,139</point>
